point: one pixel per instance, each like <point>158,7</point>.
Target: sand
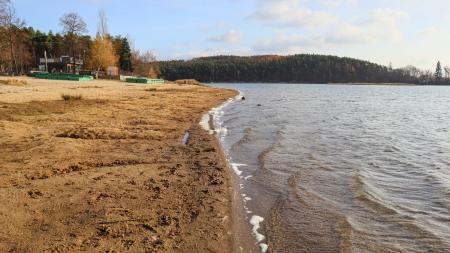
<point>109,172</point>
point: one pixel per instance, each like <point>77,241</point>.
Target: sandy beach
<point>109,172</point>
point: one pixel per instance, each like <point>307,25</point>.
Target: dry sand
<point>108,173</point>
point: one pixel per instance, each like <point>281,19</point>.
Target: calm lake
<point>343,168</point>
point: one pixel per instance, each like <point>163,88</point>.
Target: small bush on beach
<point>67,97</point>
<point>188,82</point>
<point>14,82</point>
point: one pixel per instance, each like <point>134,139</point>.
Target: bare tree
<point>3,5</point>
<point>412,71</point>
<point>11,26</point>
<point>143,62</point>
<point>102,28</point>
<point>447,72</point>
<point>73,26</point>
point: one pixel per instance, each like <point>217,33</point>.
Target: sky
<point>401,32</point>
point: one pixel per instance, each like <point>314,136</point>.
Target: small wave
<point>369,198</point>
<point>248,132</point>
<point>263,155</point>
<point>391,149</point>
<point>318,163</point>
<point>248,177</point>
<point>235,167</point>
<point>375,204</point>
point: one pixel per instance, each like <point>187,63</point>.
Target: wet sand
<point>109,172</point>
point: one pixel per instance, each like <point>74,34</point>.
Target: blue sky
<point>402,32</point>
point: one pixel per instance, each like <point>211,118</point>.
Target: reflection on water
<point>336,168</point>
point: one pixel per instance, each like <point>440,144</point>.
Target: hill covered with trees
<point>302,68</point>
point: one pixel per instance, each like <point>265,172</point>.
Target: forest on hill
<point>301,68</point>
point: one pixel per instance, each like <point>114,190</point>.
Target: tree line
<point>22,47</point>
<point>301,68</point>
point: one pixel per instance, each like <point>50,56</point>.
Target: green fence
<point>68,77</point>
<point>145,80</point>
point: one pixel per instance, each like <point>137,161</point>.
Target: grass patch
<point>14,82</point>
<point>67,97</point>
<point>91,87</point>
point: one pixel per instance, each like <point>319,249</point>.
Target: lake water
<point>342,168</point>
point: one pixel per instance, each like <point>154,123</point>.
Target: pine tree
<point>438,73</point>
<point>123,51</point>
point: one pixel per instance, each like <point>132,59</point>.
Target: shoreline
<point>111,171</point>
<point>243,240</point>
<point>247,238</point>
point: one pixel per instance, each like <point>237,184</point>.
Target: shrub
<point>14,82</point>
<point>67,97</point>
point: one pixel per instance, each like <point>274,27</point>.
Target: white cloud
<point>337,3</point>
<point>379,26</point>
<point>386,16</point>
<point>285,44</point>
<point>433,31</point>
<point>290,13</point>
<point>230,37</point>
<point>212,51</point>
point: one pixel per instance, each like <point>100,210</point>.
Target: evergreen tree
<point>438,74</point>
<point>123,51</point>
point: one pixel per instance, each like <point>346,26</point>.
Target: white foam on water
<point>255,222</point>
<point>248,177</point>
<point>235,167</point>
<point>264,247</point>
<point>204,123</point>
<point>216,114</point>
<point>221,131</point>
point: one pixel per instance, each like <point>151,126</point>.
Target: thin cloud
<point>290,13</point>
<point>230,37</point>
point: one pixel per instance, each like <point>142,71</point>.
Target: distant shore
<point>390,84</point>
<point>110,171</point>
